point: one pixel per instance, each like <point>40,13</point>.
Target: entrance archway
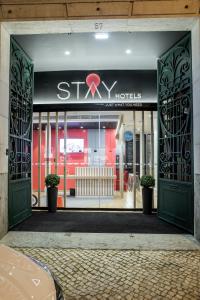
<point>183,26</point>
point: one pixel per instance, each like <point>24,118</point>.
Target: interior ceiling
<point>100,120</point>
<point>81,125</point>
<point>86,53</point>
<point>78,121</point>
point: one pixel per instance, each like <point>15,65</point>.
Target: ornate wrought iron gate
<point>21,90</point>
<point>175,170</point>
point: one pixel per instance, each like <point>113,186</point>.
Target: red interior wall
<point>110,147</point>
<point>110,143</point>
<point>35,160</point>
<point>73,159</point>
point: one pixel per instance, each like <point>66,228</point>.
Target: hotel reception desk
<point>93,181</point>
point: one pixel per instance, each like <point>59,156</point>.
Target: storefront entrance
<point>99,157</point>
<point>94,153</point>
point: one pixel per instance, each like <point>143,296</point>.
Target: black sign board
<point>95,90</point>
<point>94,107</point>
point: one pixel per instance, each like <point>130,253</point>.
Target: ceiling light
<point>104,127</point>
<point>128,51</point>
<point>101,36</point>
<point>81,127</point>
<point>67,52</point>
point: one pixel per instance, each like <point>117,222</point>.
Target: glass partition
<point>98,156</point>
<point>83,160</point>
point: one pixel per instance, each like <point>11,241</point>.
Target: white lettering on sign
<point>60,87</point>
<point>93,82</point>
<point>78,83</point>
<point>109,90</point>
<point>128,96</point>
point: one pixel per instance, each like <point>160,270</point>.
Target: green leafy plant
<point>147,181</point>
<point>52,180</point>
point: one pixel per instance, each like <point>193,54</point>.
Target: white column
<point>4,114</point>
<point>196,124</point>
<point>142,150</point>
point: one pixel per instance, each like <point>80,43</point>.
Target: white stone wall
<point>196,124</point>
<point>4,113</point>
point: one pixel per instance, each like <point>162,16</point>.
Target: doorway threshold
<point>104,241</point>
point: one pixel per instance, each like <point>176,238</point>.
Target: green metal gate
<point>175,142</point>
<point>21,91</point>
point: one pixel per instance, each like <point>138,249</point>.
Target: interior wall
<point>4,114</point>
<point>96,147</point>
<point>93,155</point>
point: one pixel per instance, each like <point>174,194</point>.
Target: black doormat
<point>99,222</point>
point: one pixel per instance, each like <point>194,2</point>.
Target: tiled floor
<point>125,202</point>
<point>123,274</point>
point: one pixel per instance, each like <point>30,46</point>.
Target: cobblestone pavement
<point>114,274</point>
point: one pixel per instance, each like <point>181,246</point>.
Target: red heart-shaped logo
<point>93,80</point>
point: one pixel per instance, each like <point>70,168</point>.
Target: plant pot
<point>147,199</point>
<point>52,194</point>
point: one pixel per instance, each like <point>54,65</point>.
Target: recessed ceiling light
<point>128,51</point>
<point>81,127</point>
<point>101,36</point>
<point>67,52</point>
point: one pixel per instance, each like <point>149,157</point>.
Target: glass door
<point>109,166</point>
<point>99,157</point>
<point>83,160</point>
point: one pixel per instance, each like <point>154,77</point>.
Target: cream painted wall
<point>4,113</point>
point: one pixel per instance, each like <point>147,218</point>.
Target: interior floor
<point>118,201</point>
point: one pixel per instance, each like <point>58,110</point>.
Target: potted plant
<point>147,182</point>
<point>52,181</point>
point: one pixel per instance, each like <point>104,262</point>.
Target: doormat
<point>96,222</point>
